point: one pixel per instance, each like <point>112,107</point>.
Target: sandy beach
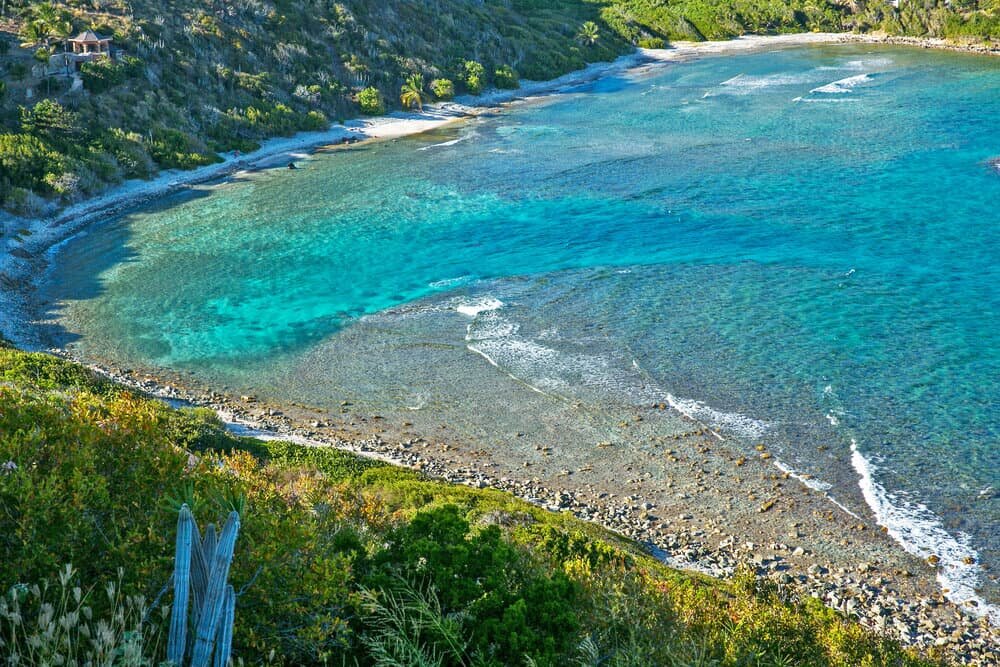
<point>716,510</point>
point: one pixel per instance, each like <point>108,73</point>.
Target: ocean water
<point>797,247</point>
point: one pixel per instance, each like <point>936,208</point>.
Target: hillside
<point>342,560</point>
<point>194,78</point>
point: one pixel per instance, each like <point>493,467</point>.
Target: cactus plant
<point>177,639</point>
<point>224,644</point>
<point>211,610</point>
<point>201,571</point>
<point>201,559</point>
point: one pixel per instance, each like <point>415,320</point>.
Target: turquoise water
<point>797,247</point>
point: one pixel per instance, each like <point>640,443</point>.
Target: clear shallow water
<point>796,247</point>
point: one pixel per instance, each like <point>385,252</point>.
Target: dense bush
<point>371,102</point>
<point>473,76</point>
<point>51,122</point>
<point>25,161</point>
<point>507,610</point>
<point>101,75</point>
<point>506,77</point>
<point>175,149</point>
<point>443,89</point>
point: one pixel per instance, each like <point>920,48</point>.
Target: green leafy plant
<point>101,75</point>
<point>500,606</point>
<point>43,22</point>
<point>472,76</point>
<point>443,89</point>
<point>370,101</point>
<point>506,77</point>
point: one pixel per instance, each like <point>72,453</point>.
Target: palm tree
<point>589,33</point>
<point>412,92</point>
<point>43,22</point>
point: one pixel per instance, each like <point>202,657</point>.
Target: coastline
<point>717,511</point>
<point>831,573</point>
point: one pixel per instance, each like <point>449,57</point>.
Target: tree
<point>412,93</point>
<point>43,21</point>
<point>589,34</point>
<point>51,122</point>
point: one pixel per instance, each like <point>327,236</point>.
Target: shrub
<point>128,152</point>
<point>472,76</point>
<point>174,149</point>
<point>371,102</point>
<point>508,611</point>
<point>25,161</point>
<point>443,89</point>
<point>315,121</point>
<point>18,71</point>
<point>505,77</point>
<point>101,75</point>
<point>651,43</point>
<point>50,121</point>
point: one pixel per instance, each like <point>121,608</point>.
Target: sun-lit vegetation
<point>340,560</point>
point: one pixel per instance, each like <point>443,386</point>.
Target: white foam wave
<point>450,282</point>
<point>844,86</point>
<point>869,63</point>
<point>477,306</point>
<point>490,325</point>
<point>825,100</point>
<point>748,427</point>
<point>744,84</point>
<point>808,480</point>
<point>444,144</point>
<point>921,533</point>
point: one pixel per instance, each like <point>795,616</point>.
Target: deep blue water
<point>797,247</point>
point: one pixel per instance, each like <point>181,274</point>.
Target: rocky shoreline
<point>974,47</point>
<point>787,533</point>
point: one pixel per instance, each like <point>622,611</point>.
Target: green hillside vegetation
<point>195,78</point>
<point>340,560</point>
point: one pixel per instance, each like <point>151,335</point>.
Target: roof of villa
<point>89,36</point>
